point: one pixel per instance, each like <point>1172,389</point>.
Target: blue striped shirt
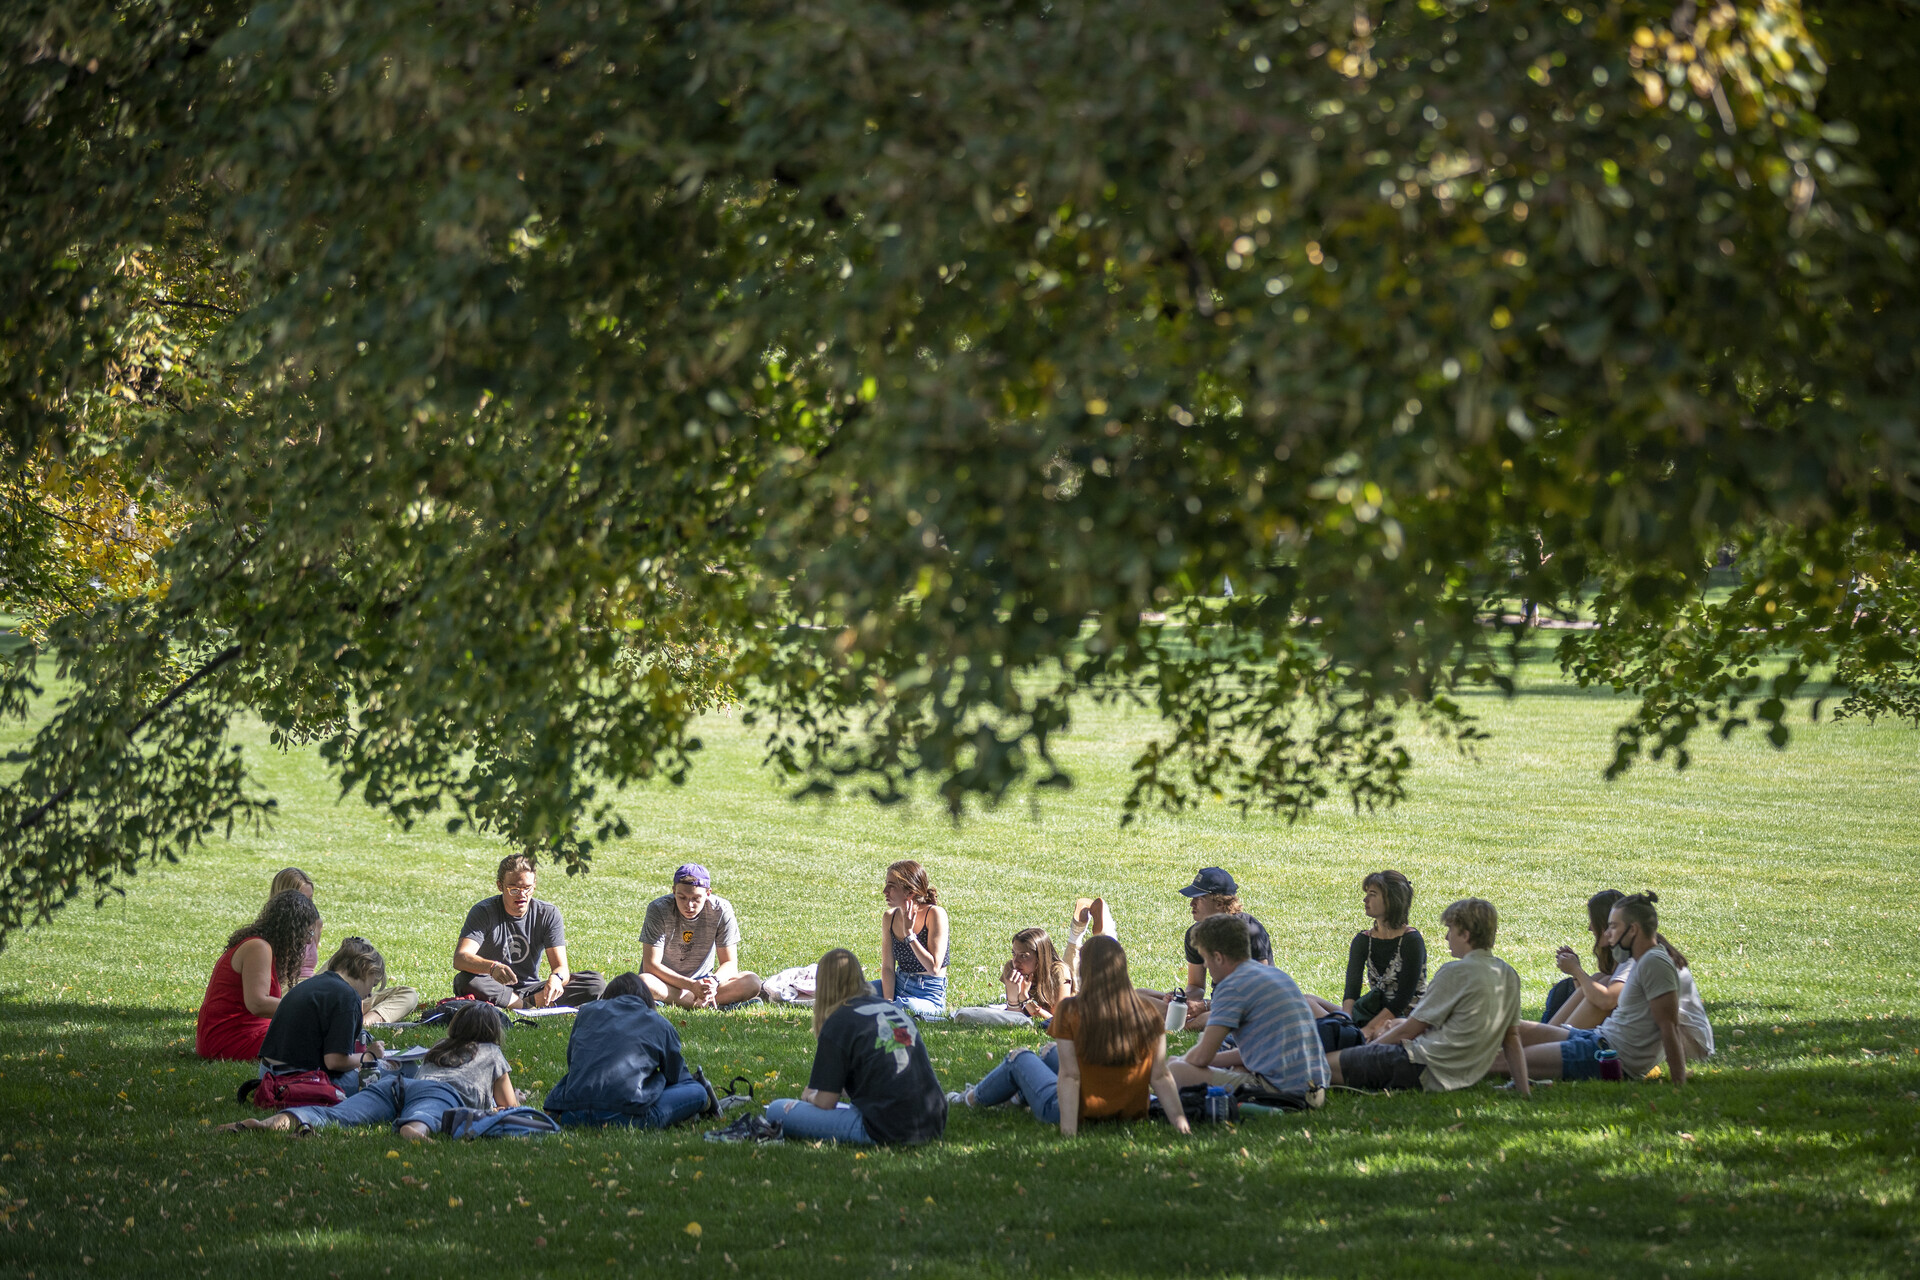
<point>1272,1025</point>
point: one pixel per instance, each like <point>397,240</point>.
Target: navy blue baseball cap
<point>1210,880</point>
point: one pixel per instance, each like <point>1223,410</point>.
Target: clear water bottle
<point>1219,1106</point>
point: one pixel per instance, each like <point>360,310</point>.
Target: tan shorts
<point>1229,1079</point>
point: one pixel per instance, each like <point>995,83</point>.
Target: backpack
<point>1193,1101</point>
<point>291,1089</point>
<point>508,1122</point>
<point>1338,1031</point>
<point>443,1011</point>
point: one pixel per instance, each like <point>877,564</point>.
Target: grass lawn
<point>1783,875</point>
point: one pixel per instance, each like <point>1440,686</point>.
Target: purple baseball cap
<point>693,873</point>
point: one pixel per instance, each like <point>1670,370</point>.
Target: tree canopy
<point>483,389</point>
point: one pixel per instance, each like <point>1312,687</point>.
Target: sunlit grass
<point>1781,874</point>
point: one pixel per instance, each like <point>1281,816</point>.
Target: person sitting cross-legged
<point>1449,1040</point>
<point>689,943</point>
<point>498,955</point>
<point>1654,1022</point>
<point>624,1066</point>
<point>318,1024</point>
<point>870,1051</point>
<point>1277,1044</point>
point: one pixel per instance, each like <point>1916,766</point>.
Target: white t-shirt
<point>1468,1007</point>
<point>1631,1028</point>
<point>1693,1017</point>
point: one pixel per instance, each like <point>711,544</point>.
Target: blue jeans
<point>1577,1055</point>
<point>388,1100</point>
<point>920,994</point>
<point>679,1102</point>
<point>799,1119</point>
<point>1036,1079</point>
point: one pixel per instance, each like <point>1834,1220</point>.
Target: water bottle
<point>1176,1011</point>
<point>1610,1068</point>
<point>1219,1107</point>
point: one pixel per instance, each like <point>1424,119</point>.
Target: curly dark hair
<point>286,924</point>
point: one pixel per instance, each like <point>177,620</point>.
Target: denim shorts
<point>1577,1055</point>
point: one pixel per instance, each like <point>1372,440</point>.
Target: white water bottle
<point>1176,1011</point>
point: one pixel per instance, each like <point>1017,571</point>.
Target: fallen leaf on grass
<point>693,1229</point>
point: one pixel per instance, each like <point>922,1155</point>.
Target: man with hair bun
<point>1470,1012</point>
<point>498,955</point>
<point>1651,1024</point>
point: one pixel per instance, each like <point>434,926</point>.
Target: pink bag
<point>293,1089</point>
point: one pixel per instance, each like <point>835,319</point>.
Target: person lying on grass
<point>1036,981</point>
<point>1109,1048</point>
<point>1581,999</point>
<point>1277,1044</point>
<point>498,955</point>
<point>688,945</point>
<point>1389,959</point>
<point>915,943</point>
<point>1460,1026</point>
<point>262,961</point>
<point>1090,916</point>
<point>870,1051</point>
<point>467,1069</point>
<point>624,1065</point>
<point>317,1026</point>
<point>1652,1023</point>
<point>1212,893</point>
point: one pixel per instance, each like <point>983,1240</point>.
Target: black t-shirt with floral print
<point>871,1055</point>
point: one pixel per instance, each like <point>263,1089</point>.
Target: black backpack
<point>1337,1032</point>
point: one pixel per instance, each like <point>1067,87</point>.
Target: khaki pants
<point>391,1004</point>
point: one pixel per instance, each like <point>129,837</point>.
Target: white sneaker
<point>958,1097</point>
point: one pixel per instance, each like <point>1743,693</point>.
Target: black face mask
<point>1622,951</point>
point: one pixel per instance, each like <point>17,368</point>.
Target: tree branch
<point>39,813</point>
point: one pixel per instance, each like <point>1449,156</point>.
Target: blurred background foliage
<point>485,390</point>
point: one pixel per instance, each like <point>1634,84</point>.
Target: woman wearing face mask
<point>1659,1017</point>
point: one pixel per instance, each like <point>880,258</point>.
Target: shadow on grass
<point>1791,1154</point>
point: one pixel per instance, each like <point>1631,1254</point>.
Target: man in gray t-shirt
<point>688,946</point>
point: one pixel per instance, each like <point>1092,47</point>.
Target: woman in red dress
<point>261,960</point>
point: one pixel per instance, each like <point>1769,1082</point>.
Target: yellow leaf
<point>693,1229</point>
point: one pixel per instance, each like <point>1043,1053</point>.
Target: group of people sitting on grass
<point>872,1080</point>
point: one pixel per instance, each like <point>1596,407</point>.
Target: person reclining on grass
<point>1036,981</point>
<point>387,1003</point>
<point>1654,1022</point>
<point>688,944</point>
<point>1390,958</point>
<point>624,1066</point>
<point>1212,893</point>
<point>869,1050</point>
<point>467,1069</point>
<point>262,960</point>
<point>1583,999</point>
<point>498,955</point>
<point>1090,916</point>
<point>317,1026</point>
<point>1278,1046</point>
<point>1469,1013</point>
<point>1109,1048</point>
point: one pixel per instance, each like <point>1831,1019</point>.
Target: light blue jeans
<point>920,994</point>
<point>799,1119</point>
<point>388,1100</point>
<point>678,1102</point>
<point>1036,1079</point>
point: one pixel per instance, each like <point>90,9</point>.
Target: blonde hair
<point>1476,918</point>
<point>290,879</point>
<point>837,979</point>
<point>1052,983</point>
